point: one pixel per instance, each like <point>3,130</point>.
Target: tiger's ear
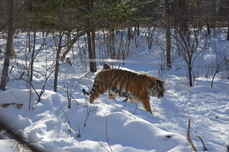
<point>106,66</point>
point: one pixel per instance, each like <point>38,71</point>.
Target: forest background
<point>77,18</point>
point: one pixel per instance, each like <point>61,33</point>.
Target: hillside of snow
<point>110,124</point>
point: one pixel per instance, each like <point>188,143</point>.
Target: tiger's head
<point>158,88</point>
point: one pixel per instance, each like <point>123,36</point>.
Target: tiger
<point>130,85</point>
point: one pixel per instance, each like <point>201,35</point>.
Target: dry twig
<point>188,136</point>
<point>205,148</point>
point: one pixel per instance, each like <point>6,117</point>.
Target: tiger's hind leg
<point>111,96</point>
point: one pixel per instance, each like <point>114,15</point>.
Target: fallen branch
<point>18,137</point>
<point>202,141</point>
<point>5,105</point>
<point>188,137</point>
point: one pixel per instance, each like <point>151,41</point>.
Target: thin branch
<point>107,133</point>
<point>102,145</point>
<point>205,148</point>
<point>68,123</point>
<point>89,110</point>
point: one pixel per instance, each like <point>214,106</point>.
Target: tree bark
<point>91,39</point>
<point>9,43</point>
<point>91,50</point>
<point>93,68</point>
<point>190,74</point>
<point>228,32</point>
<point>57,61</point>
<point>208,28</point>
<point>32,55</point>
<point>112,41</point>
<point>168,36</point>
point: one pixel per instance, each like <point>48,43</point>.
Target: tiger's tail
<point>86,93</point>
<point>92,94</point>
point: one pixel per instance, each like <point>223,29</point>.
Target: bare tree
<point>59,45</point>
<point>187,40</point>
<point>219,65</point>
<point>187,46</point>
<point>71,43</point>
<point>91,37</point>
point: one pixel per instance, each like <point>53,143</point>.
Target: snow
<point>8,145</point>
<point>110,124</point>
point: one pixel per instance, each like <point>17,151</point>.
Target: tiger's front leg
<point>111,95</point>
<point>124,94</point>
<point>146,104</point>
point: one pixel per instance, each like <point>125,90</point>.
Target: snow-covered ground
<point>10,143</point>
<point>112,125</point>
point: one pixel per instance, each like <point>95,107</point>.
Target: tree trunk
<point>57,62</point>
<point>91,51</point>
<point>168,36</point>
<point>112,47</point>
<point>89,47</point>
<point>91,39</point>
<point>138,29</point>
<point>208,28</point>
<point>168,49</point>
<point>12,52</point>
<point>59,47</point>
<point>8,46</point>
<point>228,32</point>
<point>190,74</point>
<point>130,36</point>
<point>213,78</point>
<point>93,68</point>
<point>32,55</point>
